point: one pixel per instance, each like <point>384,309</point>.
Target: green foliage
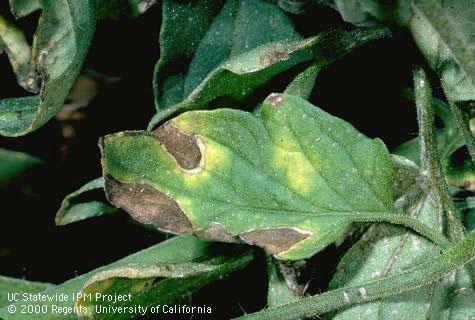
<point>279,291</point>
<point>385,250</point>
<point>443,30</point>
<point>237,78</point>
<point>183,262</point>
<point>72,210</point>
<point>13,163</point>
<point>59,47</point>
<point>10,285</point>
<point>209,33</point>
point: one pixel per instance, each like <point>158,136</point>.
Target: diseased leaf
<point>178,252</point>
<point>233,32</point>
<point>156,283</point>
<point>289,179</point>
<point>13,42</point>
<point>73,211</point>
<point>12,285</point>
<point>384,250</point>
<point>230,60</point>
<point>240,76</point>
<point>60,44</point>
<point>198,31</point>
<point>13,163</point>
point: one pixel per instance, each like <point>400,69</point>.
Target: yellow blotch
<point>297,168</point>
<point>187,122</point>
<point>214,158</point>
<point>187,206</point>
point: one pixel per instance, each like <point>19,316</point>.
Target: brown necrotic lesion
<point>274,240</point>
<point>148,205</point>
<point>184,148</point>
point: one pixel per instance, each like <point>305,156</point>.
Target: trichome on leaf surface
<point>243,166</point>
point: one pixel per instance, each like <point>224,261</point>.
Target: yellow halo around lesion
<point>298,170</point>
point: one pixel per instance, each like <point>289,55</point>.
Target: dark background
<point>364,88</point>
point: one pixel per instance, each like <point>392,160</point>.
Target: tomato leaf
<point>288,179</point>
<point>156,283</point>
<point>279,292</point>
<point>444,32</point>
<point>18,286</point>
<point>140,272</point>
<point>13,42</point>
<point>208,33</point>
<point>13,163</point>
<point>60,44</point>
<point>72,210</point>
<point>384,250</point>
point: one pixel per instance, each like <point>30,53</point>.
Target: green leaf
<point>60,44</point>
<point>72,210</point>
<point>445,33</point>
<point>292,6</point>
<point>13,42</point>
<point>366,13</point>
<point>12,285</point>
<point>443,30</point>
<point>245,63</point>
<point>241,75</point>
<point>410,279</point>
<point>469,216</point>
<point>156,283</point>
<point>279,292</point>
<point>183,26</point>
<point>303,84</point>
<point>197,30</point>
<point>461,175</point>
<point>13,163</point>
<point>22,8</point>
<point>184,253</point>
<point>233,32</point>
<point>462,298</point>
<point>290,179</point>
<point>384,250</point>
<point>117,9</point>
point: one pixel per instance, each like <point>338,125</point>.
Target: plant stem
<point>397,218</point>
<point>429,154</point>
<point>408,280</point>
<point>463,125</point>
<point>409,222</point>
